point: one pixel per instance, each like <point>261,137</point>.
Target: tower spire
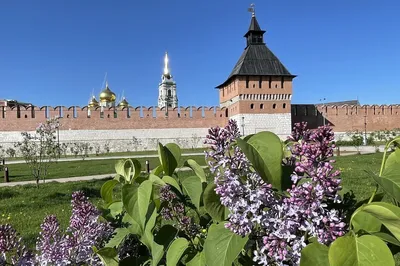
<point>252,9</point>
<point>166,70</point>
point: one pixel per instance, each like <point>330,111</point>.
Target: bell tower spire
<point>167,96</point>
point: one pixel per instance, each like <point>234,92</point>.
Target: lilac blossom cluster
<point>173,209</point>
<point>278,223</point>
<point>53,247</point>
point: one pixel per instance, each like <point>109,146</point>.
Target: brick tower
<point>258,92</point>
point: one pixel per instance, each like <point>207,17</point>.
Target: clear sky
<point>57,52</point>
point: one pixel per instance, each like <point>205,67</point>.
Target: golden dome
<point>93,102</point>
<point>123,103</point>
<point>107,95</point>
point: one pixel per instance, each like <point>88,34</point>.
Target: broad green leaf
<point>136,168</point>
<point>115,208</point>
<point>166,235</point>
<point>118,237</point>
<point>123,167</point>
<point>134,227</point>
<point>387,238</point>
<point>157,252</point>
<point>212,203</point>
<point>197,169</point>
<point>136,200</point>
<point>176,250</point>
<point>156,180</point>
<point>390,179</point>
<point>157,171</point>
<point>172,181</point>
<point>169,156</point>
<point>198,260</point>
<point>366,250</point>
<point>314,254</point>
<point>386,213</point>
<point>264,150</point>
<point>192,187</point>
<point>109,256</point>
<point>365,221</point>
<point>222,246</point>
<point>106,190</point>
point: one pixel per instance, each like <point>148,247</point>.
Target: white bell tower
<point>167,96</point>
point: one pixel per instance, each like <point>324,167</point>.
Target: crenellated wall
<point>77,118</point>
<point>345,118</point>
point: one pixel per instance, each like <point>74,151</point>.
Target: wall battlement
<point>345,117</point>
<point>79,118</point>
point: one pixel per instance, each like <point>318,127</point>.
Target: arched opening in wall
<point>260,82</point>
<point>252,106</point>
<point>169,93</point>
<point>284,105</point>
<point>282,82</point>
<point>33,112</point>
<point>247,81</point>
<point>270,82</point>
<point>26,116</point>
<point>254,85</point>
<point>18,112</point>
<point>261,106</point>
<point>276,86</point>
<point>226,112</point>
<point>274,106</point>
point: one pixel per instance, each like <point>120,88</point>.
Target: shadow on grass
<point>6,194</point>
<point>91,192</point>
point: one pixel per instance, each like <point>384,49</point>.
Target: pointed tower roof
<point>257,59</point>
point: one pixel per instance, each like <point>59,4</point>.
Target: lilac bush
<point>280,224</point>
<point>54,247</point>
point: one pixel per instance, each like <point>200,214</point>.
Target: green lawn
<point>26,206</point>
<point>21,172</point>
<point>131,153</point>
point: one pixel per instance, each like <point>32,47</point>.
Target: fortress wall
<point>345,118</point>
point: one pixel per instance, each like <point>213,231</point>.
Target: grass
<point>26,206</point>
<point>21,172</point>
<point>126,153</point>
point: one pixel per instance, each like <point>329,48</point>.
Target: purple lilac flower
<point>174,210</point>
<point>10,243</point>
<point>75,246</point>
<point>278,223</point>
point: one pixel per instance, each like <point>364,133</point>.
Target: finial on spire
<point>252,9</point>
<point>106,83</point>
<point>166,70</point>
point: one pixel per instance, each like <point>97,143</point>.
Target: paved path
<point>107,157</point>
<point>74,179</point>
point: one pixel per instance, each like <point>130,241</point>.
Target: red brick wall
<point>349,117</point>
<point>75,118</point>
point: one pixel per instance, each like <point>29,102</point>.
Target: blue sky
<point>57,52</point>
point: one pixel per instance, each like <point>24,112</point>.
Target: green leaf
<point>109,256</point>
<point>136,168</point>
<point>193,188</point>
<point>365,221</point>
<point>390,179</point>
<point>212,203</point>
<point>197,169</point>
<point>123,167</point>
<point>134,227</point>
<point>157,171</point>
<point>222,246</point>
<point>115,208</point>
<point>169,156</point>
<point>366,250</point>
<point>386,213</point>
<point>264,150</point>
<point>118,237</point>
<point>198,260</point>
<point>387,238</point>
<point>176,250</point>
<point>136,199</point>
<point>166,235</point>
<point>106,190</point>
<point>156,180</point>
<point>314,254</point>
<point>172,181</point>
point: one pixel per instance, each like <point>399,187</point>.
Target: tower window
<point>254,85</point>
<point>262,106</point>
<point>252,106</point>
<point>284,105</point>
<point>260,82</point>
<point>247,81</point>
<point>274,106</point>
<point>282,82</point>
<point>169,92</point>
<point>270,82</point>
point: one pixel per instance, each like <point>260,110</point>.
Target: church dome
<point>93,102</point>
<point>107,95</point>
<point>123,103</point>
